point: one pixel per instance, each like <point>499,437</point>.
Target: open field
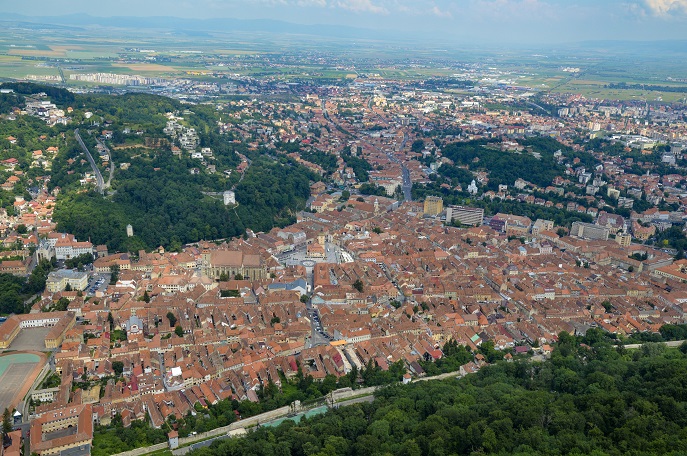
<point>145,67</point>
<point>44,51</point>
<point>36,53</point>
<point>235,52</point>
<point>17,372</point>
<point>597,89</point>
<point>14,67</point>
<point>168,53</point>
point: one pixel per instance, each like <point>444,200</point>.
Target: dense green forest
<point>590,398</point>
<point>360,166</point>
<point>57,95</point>
<point>372,189</point>
<point>674,237</point>
<point>659,88</point>
<point>9,101</point>
<point>325,160</point>
<point>505,167</point>
<point>162,196</point>
<point>165,205</point>
<point>455,175</point>
<point>15,290</point>
<point>137,110</point>
<point>118,438</point>
<point>157,193</point>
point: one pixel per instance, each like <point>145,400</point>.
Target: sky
<point>489,21</point>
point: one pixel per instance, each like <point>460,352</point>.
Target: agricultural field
<point>46,54</point>
<point>599,90</point>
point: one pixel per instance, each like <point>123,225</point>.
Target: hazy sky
<point>474,20</point>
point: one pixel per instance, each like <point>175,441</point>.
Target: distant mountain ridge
<point>634,47</point>
<point>204,25</point>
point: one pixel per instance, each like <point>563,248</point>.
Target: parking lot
<point>98,282</point>
<point>319,336</point>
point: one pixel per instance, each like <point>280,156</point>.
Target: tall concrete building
<point>434,205</point>
<point>589,231</point>
<point>472,216</point>
<point>623,239</point>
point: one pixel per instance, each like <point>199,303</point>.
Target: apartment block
<point>434,205</point>
<point>471,216</point>
<point>589,231</point>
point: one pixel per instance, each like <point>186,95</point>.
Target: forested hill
<point>589,399</point>
<point>169,198</point>
<point>165,205</point>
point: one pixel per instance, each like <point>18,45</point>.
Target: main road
<point>407,185</point>
<point>100,183</point>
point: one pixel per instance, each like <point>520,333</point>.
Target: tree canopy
<point>589,399</point>
<point>169,200</point>
<point>15,290</point>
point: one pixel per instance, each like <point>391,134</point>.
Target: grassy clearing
<point>236,52</point>
<point>597,89</point>
<point>146,67</point>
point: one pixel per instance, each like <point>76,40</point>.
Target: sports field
<point>17,373</point>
